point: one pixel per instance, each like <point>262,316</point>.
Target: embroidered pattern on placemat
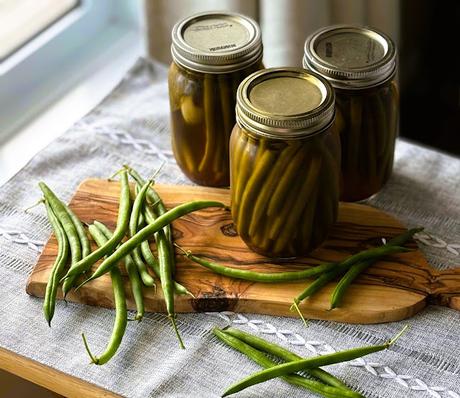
<point>19,237</point>
<point>434,241</point>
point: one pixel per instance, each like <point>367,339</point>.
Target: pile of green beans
<point>367,121</point>
<point>284,192</point>
<point>71,237</point>
<point>244,341</point>
<point>149,230</point>
<point>141,218</point>
<point>120,231</point>
<point>133,228</point>
<point>202,118</point>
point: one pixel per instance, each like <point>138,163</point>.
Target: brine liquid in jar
<point>285,162</point>
<point>360,63</point>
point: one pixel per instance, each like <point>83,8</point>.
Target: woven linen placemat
<point>132,126</point>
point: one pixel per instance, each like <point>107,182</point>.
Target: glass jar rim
<point>351,77</point>
<point>284,126</point>
<point>229,58</point>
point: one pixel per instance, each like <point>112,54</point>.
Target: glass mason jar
<point>285,162</point>
<point>360,63</point>
<point>212,53</point>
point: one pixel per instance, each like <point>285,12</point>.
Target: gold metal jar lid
<point>216,42</point>
<point>284,103</point>
<point>350,57</point>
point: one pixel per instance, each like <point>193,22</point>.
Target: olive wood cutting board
<point>392,289</point>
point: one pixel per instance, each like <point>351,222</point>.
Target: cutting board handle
<point>444,288</point>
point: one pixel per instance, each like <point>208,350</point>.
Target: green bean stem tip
<point>85,342</point>
<point>296,307</point>
<point>112,177</point>
<point>176,330</point>
<point>39,202</point>
<point>398,335</point>
<point>84,283</point>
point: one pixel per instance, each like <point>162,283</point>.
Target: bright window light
<point>22,20</point>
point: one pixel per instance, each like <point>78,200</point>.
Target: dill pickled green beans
<point>367,121</point>
<point>202,119</point>
<point>284,192</point>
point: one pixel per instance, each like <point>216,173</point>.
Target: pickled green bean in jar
<point>212,53</point>
<point>360,63</point>
<point>285,162</point>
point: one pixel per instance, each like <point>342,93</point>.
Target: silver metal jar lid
<point>216,42</point>
<point>350,57</point>
<point>284,103</point>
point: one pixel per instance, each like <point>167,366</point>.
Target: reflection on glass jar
<point>285,162</point>
<point>212,53</point>
<point>360,64</point>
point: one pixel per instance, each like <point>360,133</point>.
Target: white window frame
<point>53,61</point>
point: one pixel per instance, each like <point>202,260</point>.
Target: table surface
<point>131,125</point>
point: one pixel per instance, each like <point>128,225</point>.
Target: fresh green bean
<point>153,197</point>
<point>309,363</point>
<point>264,277</point>
<point>374,254</point>
<point>49,302</point>
<point>275,277</point>
<point>133,227</point>
<point>60,210</point>
<point>165,259</point>
<point>275,349</point>
<point>121,320</point>
<point>119,233</point>
<point>261,359</point>
<point>318,283</point>
<point>148,231</point>
<point>131,269</point>
<point>358,268</point>
<point>167,283</point>
<point>150,259</point>
<point>85,246</point>
<point>84,241</point>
